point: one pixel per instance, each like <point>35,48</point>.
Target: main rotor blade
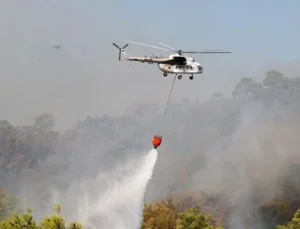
<point>209,50</point>
<point>151,46</point>
<point>166,46</point>
<point>204,52</point>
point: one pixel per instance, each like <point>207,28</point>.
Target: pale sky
<point>85,78</point>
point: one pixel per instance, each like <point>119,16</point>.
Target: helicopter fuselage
<point>189,67</point>
<point>181,69</point>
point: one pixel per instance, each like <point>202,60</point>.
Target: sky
<point>84,78</point>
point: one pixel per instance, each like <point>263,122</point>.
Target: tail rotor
<point>121,50</point>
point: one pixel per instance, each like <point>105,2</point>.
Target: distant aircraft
<point>177,64</point>
<point>56,46</point>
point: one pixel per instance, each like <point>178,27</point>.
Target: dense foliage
<point>26,221</point>
<point>231,162</point>
<point>169,214</point>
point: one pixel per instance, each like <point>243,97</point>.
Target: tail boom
<point>121,50</point>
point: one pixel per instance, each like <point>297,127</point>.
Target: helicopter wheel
<point>165,74</point>
<point>180,77</point>
<point>191,77</point>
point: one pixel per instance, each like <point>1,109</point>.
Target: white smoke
<point>119,204</point>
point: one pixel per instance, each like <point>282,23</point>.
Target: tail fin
<point>121,50</point>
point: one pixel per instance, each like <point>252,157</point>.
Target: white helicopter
<point>177,64</point>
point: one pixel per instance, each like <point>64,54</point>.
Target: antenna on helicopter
<point>120,49</point>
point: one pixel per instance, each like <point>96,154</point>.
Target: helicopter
<point>58,47</point>
<point>178,63</point>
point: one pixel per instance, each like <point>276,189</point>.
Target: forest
<point>232,162</point>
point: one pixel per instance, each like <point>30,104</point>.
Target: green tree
<point>274,212</point>
<point>75,225</point>
<point>273,79</point>
<point>57,221</point>
<point>44,122</point>
<point>158,215</point>
<point>7,204</point>
<point>281,209</point>
<point>7,144</point>
<point>294,223</point>
<point>192,218</point>
<point>247,86</point>
<point>179,204</point>
<point>23,147</point>
<point>26,221</point>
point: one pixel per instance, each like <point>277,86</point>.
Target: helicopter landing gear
<point>165,74</point>
<point>180,77</point>
<point>191,77</point>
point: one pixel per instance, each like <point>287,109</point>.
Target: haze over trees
<point>232,162</point>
